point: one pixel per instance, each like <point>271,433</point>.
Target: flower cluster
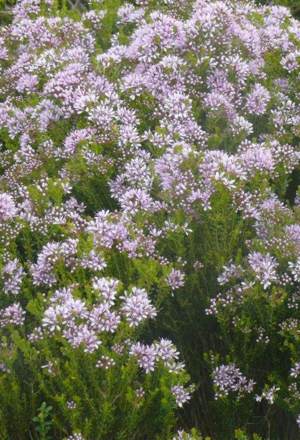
<point>228,378</point>
<point>82,325</point>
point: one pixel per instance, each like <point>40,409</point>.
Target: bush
<point>149,215</point>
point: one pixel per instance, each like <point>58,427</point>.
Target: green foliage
<point>241,435</point>
<point>43,421</point>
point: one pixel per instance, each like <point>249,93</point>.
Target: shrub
<point>148,201</point>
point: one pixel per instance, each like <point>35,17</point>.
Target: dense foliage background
<point>149,216</point>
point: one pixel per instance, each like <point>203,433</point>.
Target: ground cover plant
<point>149,217</point>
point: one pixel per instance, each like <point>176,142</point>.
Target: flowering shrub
<point>149,218</point>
